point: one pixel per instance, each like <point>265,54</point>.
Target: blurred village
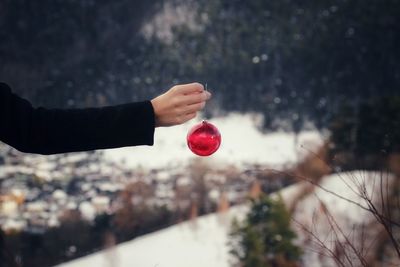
<point>42,195</point>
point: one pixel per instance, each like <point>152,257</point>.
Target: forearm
<point>50,131</point>
<point>59,131</point>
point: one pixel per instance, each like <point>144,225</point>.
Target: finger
<point>195,107</point>
<point>189,116</point>
<point>196,98</point>
<point>190,88</point>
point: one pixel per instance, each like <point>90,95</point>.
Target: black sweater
<point>51,131</point>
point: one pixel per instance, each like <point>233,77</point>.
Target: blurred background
<point>306,95</point>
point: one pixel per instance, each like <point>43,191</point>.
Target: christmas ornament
<point>204,139</point>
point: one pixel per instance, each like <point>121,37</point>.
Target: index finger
<point>191,88</point>
<point>196,98</point>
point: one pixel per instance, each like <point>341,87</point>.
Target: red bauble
<point>204,139</point>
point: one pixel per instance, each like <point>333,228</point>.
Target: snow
<point>6,170</point>
<point>204,241</point>
<point>9,208</point>
<point>87,210</point>
<point>349,216</point>
<point>242,144</point>
<point>59,195</point>
<point>183,181</point>
<point>53,222</point>
<point>198,243</point>
<point>109,187</point>
<point>71,205</point>
<point>36,206</point>
<point>214,194</point>
<point>347,186</point>
<point>163,176</point>
<point>12,224</point>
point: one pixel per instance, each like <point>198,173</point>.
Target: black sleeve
<point>51,131</point>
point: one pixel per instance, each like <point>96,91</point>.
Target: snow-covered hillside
<point>198,243</point>
<point>204,242</point>
<point>346,218</point>
<point>242,143</point>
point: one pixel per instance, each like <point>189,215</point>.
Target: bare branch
<point>320,243</point>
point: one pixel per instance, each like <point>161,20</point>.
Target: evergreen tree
<point>264,239</point>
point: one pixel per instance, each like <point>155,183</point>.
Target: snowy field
<point>204,241</point>
<point>242,143</point>
<point>198,243</point>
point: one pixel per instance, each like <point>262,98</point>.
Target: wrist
<point>154,104</point>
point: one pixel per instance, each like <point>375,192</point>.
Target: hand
<point>179,104</point>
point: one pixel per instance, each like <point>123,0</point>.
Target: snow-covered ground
<point>198,243</point>
<point>204,242</point>
<point>347,219</point>
<point>242,143</point>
